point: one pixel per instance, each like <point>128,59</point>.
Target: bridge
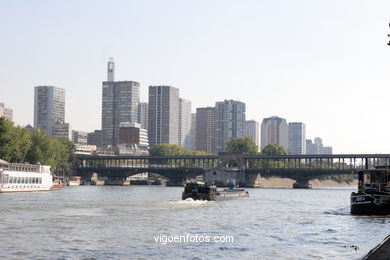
<point>245,169</point>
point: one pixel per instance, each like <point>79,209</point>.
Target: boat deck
<point>380,252</point>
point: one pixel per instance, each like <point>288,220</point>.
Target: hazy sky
<point>324,63</point>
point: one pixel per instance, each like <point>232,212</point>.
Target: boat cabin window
<point>5,178</point>
<point>375,179</point>
<point>367,178</point>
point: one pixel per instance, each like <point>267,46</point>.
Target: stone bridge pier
<point>231,177</point>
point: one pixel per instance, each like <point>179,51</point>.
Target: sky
<point>324,63</point>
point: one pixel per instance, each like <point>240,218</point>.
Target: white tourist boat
<point>24,177</point>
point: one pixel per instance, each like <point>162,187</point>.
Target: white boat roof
<point>3,162</point>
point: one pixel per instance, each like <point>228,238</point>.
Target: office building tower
<point>296,138</point>
<point>132,139</point>
<point>327,150</point>
<point>311,148</point>
<point>193,131</point>
<point>252,130</point>
<point>49,107</point>
<point>205,129</point>
<point>5,112</point>
<point>274,130</point>
<point>143,115</point>
<point>229,122</point>
<point>120,101</point>
<point>95,138</point>
<point>317,147</point>
<point>80,137</point>
<point>185,123</point>
<point>61,130</point>
<point>163,127</point>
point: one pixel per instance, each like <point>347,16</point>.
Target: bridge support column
<point>223,177</point>
<point>302,184</point>
<point>252,180</point>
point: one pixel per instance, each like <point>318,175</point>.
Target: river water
<point>106,222</point>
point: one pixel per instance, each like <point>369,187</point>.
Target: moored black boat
<point>373,195</point>
<point>197,191</point>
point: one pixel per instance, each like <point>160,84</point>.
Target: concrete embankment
<point>287,183</point>
<point>380,252</point>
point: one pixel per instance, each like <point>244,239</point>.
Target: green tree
<point>167,150</point>
<point>18,144</point>
<point>6,141</point>
<point>174,150</point>
<point>242,145</point>
<point>273,149</point>
<point>269,150</point>
<point>14,142</point>
<point>40,151</point>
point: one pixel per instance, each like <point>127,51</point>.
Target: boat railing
<point>380,187</point>
<point>20,167</point>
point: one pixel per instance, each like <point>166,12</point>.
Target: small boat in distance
<point>73,181</point>
<point>197,191</point>
<point>16,177</point>
<point>373,195</point>
<point>57,184</point>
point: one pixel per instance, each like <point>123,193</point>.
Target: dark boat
<point>373,195</point>
<point>197,191</point>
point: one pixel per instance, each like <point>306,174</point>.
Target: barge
<point>373,195</point>
<point>197,191</point>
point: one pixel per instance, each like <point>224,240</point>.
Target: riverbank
<point>288,183</point>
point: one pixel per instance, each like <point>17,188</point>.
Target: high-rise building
<point>205,129</point>
<point>229,122</point>
<point>185,123</point>
<point>143,115</point>
<point>312,148</point>
<point>49,107</point>
<point>80,137</point>
<point>317,147</point>
<point>163,127</point>
<point>95,138</point>
<point>61,130</point>
<point>252,130</point>
<point>274,130</point>
<point>132,138</point>
<point>296,138</point>
<point>120,101</point>
<point>193,131</point>
<point>5,112</point>
<point>327,150</point>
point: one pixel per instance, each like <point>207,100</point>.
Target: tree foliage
<point>242,145</point>
<point>273,149</point>
<point>173,150</point>
<point>18,145</point>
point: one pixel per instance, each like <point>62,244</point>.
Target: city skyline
<point>304,64</point>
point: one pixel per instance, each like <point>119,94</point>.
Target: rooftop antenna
<point>111,69</point>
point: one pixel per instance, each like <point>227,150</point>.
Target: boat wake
<point>191,203</point>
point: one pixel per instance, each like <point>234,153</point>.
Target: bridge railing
<point>323,162</point>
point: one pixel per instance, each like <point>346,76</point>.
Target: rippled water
<point>93,222</point>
